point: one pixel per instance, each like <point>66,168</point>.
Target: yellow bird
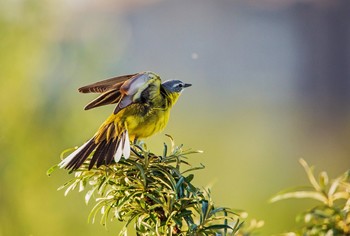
<point>143,108</point>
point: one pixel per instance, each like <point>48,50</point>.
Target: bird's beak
<point>187,85</point>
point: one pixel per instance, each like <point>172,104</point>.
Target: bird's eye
<point>180,85</point>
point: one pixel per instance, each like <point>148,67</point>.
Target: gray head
<point>175,86</point>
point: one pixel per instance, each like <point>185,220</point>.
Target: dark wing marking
<point>104,85</point>
<point>106,98</point>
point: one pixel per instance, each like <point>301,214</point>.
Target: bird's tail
<point>105,151</point>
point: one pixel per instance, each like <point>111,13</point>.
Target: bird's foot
<point>138,147</point>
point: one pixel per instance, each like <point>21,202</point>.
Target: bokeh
<point>271,84</point>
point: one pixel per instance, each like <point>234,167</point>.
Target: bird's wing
<point>124,90</point>
<point>109,89</point>
<point>109,97</point>
<point>141,88</point>
<point>105,85</point>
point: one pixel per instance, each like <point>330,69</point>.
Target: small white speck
<point>194,56</point>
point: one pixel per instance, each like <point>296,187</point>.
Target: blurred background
<point>271,84</point>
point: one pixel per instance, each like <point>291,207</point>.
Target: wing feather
<point>104,85</point>
<point>124,90</point>
<point>106,98</point>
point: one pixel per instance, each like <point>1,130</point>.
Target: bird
<point>143,104</point>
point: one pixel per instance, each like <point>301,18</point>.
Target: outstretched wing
<point>110,97</point>
<point>109,89</point>
<point>105,85</point>
<point>124,90</point>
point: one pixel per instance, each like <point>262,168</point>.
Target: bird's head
<point>175,86</point>
<point>173,89</point>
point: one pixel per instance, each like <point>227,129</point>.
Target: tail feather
<point>119,152</point>
<point>71,158</point>
<point>105,152</point>
<point>82,156</point>
<point>126,147</point>
<point>111,151</point>
<point>98,154</point>
<point>85,156</point>
<point>123,146</point>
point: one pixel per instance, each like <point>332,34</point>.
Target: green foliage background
<point>252,132</point>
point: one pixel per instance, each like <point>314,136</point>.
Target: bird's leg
<point>136,153</point>
<point>140,144</point>
<point>136,143</point>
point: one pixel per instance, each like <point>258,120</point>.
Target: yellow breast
<point>140,126</point>
<point>140,121</point>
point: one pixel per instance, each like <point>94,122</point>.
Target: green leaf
<point>218,226</point>
<point>300,194</point>
<point>205,207</point>
<point>89,194</point>
<point>52,169</point>
<point>309,172</point>
<point>153,198</point>
<point>323,180</point>
<point>194,168</point>
<point>165,150</point>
